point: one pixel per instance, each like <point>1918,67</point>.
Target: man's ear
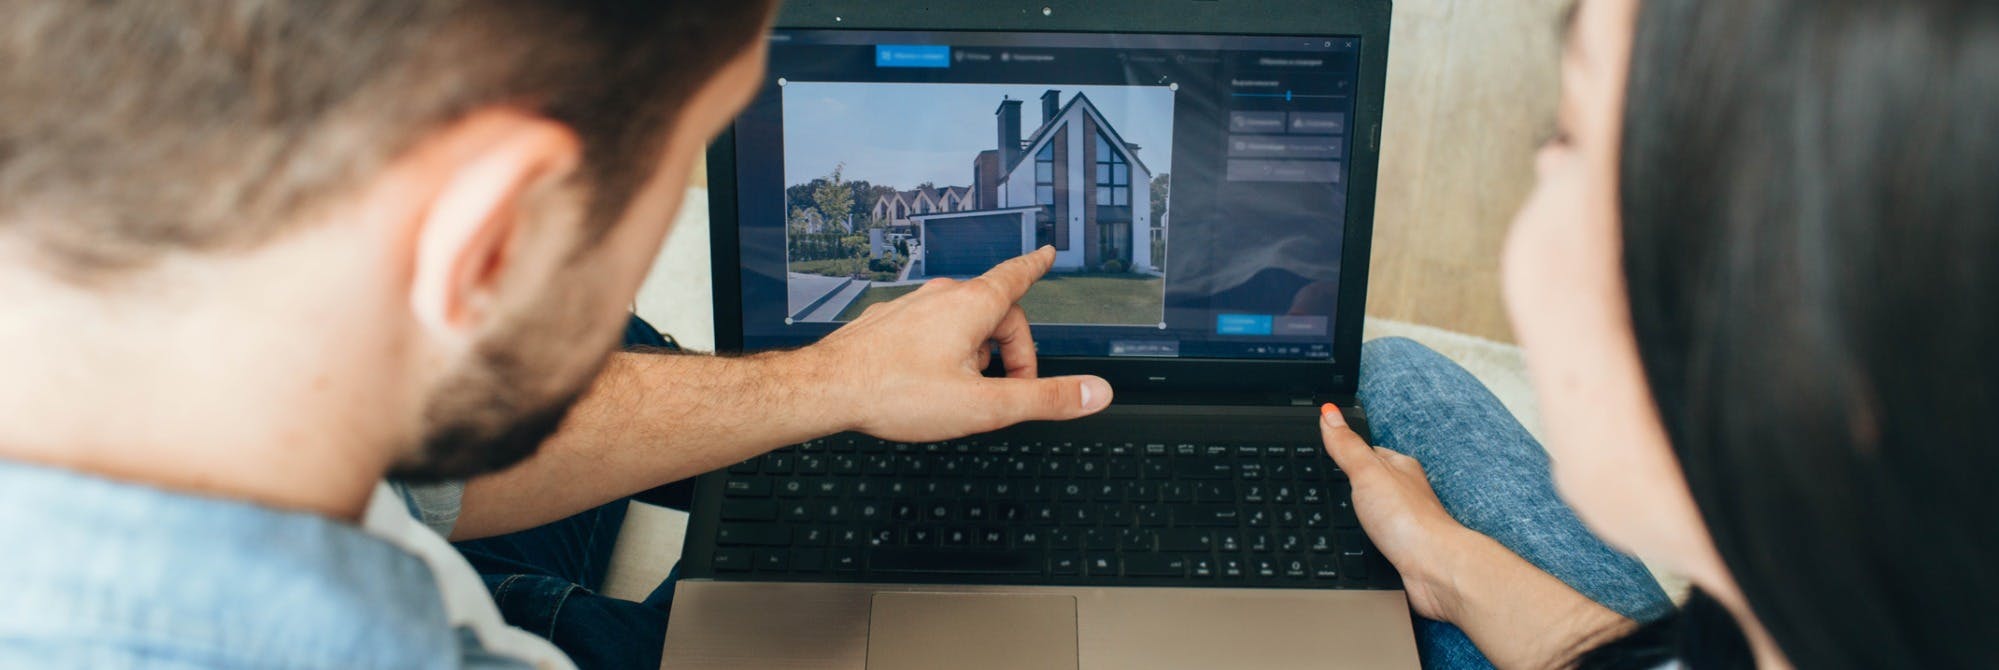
<point>486,171</point>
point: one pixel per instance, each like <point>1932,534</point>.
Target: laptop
<point>1206,171</point>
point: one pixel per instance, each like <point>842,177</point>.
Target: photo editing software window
<point>1193,186</point>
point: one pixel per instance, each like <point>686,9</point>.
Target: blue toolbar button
<point>912,55</point>
<point>1243,324</point>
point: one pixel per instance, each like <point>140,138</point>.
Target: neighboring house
<point>1073,183</point>
<point>896,209</point>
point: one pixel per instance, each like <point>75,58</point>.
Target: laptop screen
<point>1194,186</point>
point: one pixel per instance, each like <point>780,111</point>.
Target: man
<point>258,255</point>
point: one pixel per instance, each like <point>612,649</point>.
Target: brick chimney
<point>1051,103</point>
<point>1009,131</point>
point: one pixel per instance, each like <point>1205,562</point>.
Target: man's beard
<point>488,417</point>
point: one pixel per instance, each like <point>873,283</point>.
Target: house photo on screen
<point>893,184</point>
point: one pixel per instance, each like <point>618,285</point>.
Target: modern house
<point>1073,183</point>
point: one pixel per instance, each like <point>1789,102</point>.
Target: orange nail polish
<point>1327,408</point>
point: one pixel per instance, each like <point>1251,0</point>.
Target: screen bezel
<point>1367,20</point>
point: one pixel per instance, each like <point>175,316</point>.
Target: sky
<point>902,134</point>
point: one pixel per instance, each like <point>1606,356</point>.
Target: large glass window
<point>1113,176</point>
<point>1044,195</point>
<point>1114,241</point>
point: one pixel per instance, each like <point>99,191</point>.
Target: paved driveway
<point>804,289</point>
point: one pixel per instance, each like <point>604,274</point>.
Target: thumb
<point>1349,451</point>
<point>1046,399</point>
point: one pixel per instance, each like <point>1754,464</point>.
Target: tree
<point>835,198</point>
<point>1162,188</point>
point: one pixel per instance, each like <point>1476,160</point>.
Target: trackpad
<point>925,631</point>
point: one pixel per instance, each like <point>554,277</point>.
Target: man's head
<point>451,201</point>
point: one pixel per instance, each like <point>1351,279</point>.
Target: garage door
<point>970,245</point>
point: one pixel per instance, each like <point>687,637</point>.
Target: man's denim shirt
<point>102,574</point>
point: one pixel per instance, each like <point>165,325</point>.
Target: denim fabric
<point>1493,477</point>
<point>546,580</point>
<point>106,574</point>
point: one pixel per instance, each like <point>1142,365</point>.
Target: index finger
<point>1015,276</point>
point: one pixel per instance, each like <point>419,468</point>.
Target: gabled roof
<point>1048,128</point>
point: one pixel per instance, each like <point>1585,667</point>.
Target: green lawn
<point>1119,299</point>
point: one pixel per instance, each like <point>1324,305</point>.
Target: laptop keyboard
<point>991,510</point>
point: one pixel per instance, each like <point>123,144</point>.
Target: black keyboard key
<point>1155,565</point>
<point>812,464</point>
<point>845,560</point>
<point>1065,564</point>
<point>752,534</point>
<point>1131,539</point>
<point>749,510</point>
<point>940,562</point>
<point>808,560</point>
<point>1099,539</point>
<point>846,464</point>
<point>746,487</point>
<point>793,488</point>
<point>1207,515</point>
<point>810,536</point>
<point>1201,566</point>
<point>1294,567</point>
<point>1203,469</point>
<point>773,560</point>
<point>1263,567</point>
<point>1232,567</point>
<point>1343,513</point>
<point>1325,567</point>
<point>1318,518</point>
<point>1256,517</point>
<point>1186,539</point>
<point>778,463</point>
<point>1102,565</point>
<point>732,560</point>
<point>748,467</point>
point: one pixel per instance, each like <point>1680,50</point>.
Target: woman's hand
<point>1401,514</point>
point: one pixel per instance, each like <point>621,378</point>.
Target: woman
<point>1756,289</point>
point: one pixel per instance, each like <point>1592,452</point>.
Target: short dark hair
<point>1808,221</point>
<point>132,126</point>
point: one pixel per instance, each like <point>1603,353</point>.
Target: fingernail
<point>1328,411</point>
<point>1095,391</point>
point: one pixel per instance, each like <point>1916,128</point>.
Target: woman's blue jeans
<point>1493,477</point>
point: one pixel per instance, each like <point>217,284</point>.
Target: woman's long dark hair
<point>1810,198</point>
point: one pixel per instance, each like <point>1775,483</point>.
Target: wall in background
<point>1472,86</point>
